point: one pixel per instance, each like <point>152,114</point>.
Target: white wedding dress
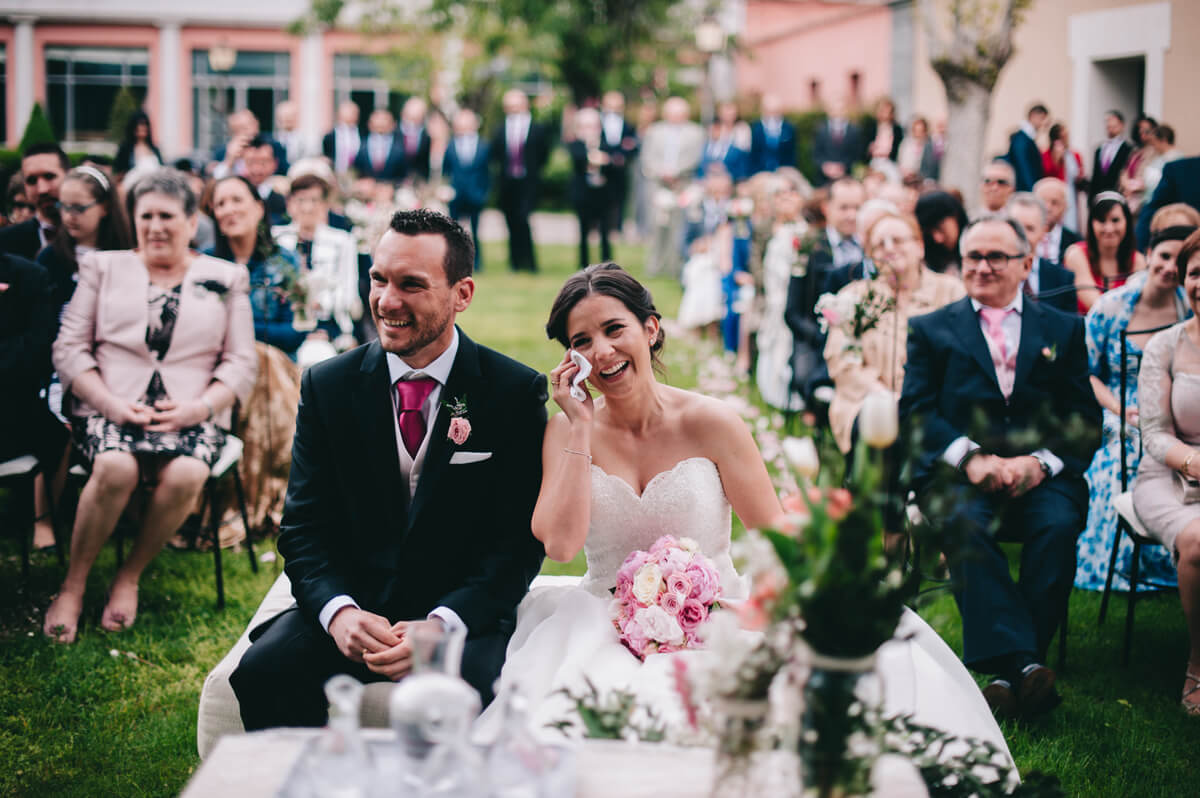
<point>565,636</point>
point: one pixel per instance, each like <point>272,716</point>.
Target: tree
<point>124,106</point>
<point>38,130</point>
<point>969,43</point>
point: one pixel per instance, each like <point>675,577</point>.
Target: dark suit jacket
<point>463,542</point>
<point>767,156</point>
<point>63,276</point>
<point>1067,238</point>
<point>1053,279</point>
<point>587,197</point>
<point>842,276</point>
<point>736,161</point>
<point>1026,160</point>
<point>1108,180</point>
<point>277,207</point>
<point>27,324</point>
<point>416,165</point>
<point>808,342</point>
<point>22,240</point>
<point>845,151</point>
<point>471,180</point>
<point>537,152</point>
<point>950,387</point>
<point>340,222</point>
<point>1180,183</point>
<point>622,153</point>
<point>394,168</point>
<point>329,147</point>
<point>871,129</point>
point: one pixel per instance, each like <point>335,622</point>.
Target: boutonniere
<point>3,288</point>
<point>1050,353</point>
<point>215,287</point>
<point>460,425</point>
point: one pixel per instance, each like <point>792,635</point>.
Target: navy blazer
<point>394,168</point>
<point>1067,238</point>
<point>471,180</point>
<point>1180,183</point>
<point>418,163</point>
<point>767,156</point>
<point>1026,160</point>
<point>736,161</point>
<point>827,149</point>
<point>951,389</point>
<point>23,240</point>
<point>1056,287</point>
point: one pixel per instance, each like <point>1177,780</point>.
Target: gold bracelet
<point>1187,462</point>
<point>581,454</point>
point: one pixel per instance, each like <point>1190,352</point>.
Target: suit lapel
<point>373,408</point>
<point>462,385</point>
<point>966,325</point>
<point>1031,339</point>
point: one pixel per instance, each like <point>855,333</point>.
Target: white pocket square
<point>462,458</point>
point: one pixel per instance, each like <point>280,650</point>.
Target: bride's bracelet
<point>581,454</point>
<point>1187,463</point>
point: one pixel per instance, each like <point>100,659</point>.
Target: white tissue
<point>585,369</point>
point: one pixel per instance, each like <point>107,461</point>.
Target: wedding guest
<point>996,185</point>
<point>341,145</point>
<point>643,212</point>
<point>414,137</point>
<point>289,136</point>
<point>520,149</point>
<point>1023,151</point>
<point>708,239</point>
<point>620,140</point>
<point>137,151</point>
<point>43,167</point>
<point>775,367</point>
<point>1172,215</point>
<point>152,376</point>
<point>772,138</point>
<point>1111,156</point>
<point>728,143</point>
<point>1162,140</point>
<point>1164,495</point>
<point>243,128</point>
<point>1047,281</point>
<point>260,162</point>
<point>381,155</point>
<point>17,207</point>
<point>1061,162</point>
<point>1056,195</point>
<point>671,151</point>
<point>1180,183</point>
<point>591,183</point>
<point>871,211</point>
<point>916,155</point>
<point>1132,182</point>
<point>838,144</point>
<point>942,218</point>
<point>993,383</point>
<point>1152,298</point>
<point>1107,257</point>
<point>875,361</point>
<point>882,134</point>
<point>466,164</point>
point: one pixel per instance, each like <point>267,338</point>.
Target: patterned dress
<point>1105,321</point>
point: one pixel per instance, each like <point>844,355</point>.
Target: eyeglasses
<point>75,210</point>
<point>889,242</point>
<point>995,260</point>
<point>996,181</point>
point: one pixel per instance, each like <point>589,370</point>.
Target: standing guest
<point>942,219</point>
<point>996,185</point>
<point>1108,256</point>
<point>206,230</point>
<point>916,155</point>
<point>520,148</point>
<point>1180,182</point>
<point>17,207</point>
<point>259,159</point>
<point>728,144</point>
<point>1151,299</point>
<point>1047,281</point>
<point>381,156</point>
<point>1132,182</point>
<point>466,163</point>
<point>838,244</point>
<point>1063,163</point>
<point>774,370</point>
<point>838,144</point>
<point>137,151</point>
<point>671,151</point>
<point>1163,142</point>
<point>985,376</point>
<point>1023,151</point>
<point>1170,423</point>
<point>591,183</point>
<point>1056,195</point>
<point>619,138</point>
<point>243,129</point>
<point>155,347</point>
<point>643,212</point>
<point>1111,156</point>
<point>43,167</point>
<point>244,238</point>
<point>708,240</point>
<point>414,136</point>
<point>341,145</point>
<point>938,137</point>
<point>289,136</point>
<point>871,211</point>
<point>882,134</point>
<point>772,138</point>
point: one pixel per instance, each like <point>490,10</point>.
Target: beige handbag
<point>1189,489</point>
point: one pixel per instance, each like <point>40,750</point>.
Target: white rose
<point>646,583</point>
<point>659,626</point>
<point>689,545</point>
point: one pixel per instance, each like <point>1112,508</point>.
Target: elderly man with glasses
<point>997,184</point>
<point>1004,423</point>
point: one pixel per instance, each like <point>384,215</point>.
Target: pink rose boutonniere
<point>1050,353</point>
<point>460,425</point>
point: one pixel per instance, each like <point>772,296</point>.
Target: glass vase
<point>837,746</point>
<point>740,726</point>
<point>341,765</point>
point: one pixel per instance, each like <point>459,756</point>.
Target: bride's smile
<point>604,331</point>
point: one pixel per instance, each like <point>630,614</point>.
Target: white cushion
<point>1124,507</point>
<point>231,452</point>
<point>18,466</point>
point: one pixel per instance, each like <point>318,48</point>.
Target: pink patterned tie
<point>1004,361</point>
<point>412,394</point>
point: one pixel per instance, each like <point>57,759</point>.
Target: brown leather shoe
<point>1035,691</point>
<point>1001,698</point>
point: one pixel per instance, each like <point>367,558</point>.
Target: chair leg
<point>1135,562</point>
<point>1112,566</point>
<point>214,525</point>
<point>241,499</point>
<point>59,543</point>
<point>1062,635</point>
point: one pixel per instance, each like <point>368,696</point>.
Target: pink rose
<point>679,582</point>
<point>673,561</point>
<point>692,615</point>
<point>3,287</point>
<point>706,585</point>
<point>663,544</point>
<point>672,602</point>
<point>635,638</point>
<point>633,563</point>
<point>460,430</point>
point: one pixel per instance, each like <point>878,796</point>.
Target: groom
<point>415,469</point>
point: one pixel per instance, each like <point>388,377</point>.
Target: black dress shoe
<point>1035,691</point>
<point>1001,698</point>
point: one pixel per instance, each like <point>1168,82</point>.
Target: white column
<point>1152,91</point>
<point>21,73</point>
<point>170,109</point>
<point>313,88</point>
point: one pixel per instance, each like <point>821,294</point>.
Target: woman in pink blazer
<point>154,348</point>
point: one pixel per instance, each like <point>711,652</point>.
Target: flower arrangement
<point>663,596</point>
<point>854,316</point>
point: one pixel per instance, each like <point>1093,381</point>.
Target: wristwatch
<point>1045,466</point>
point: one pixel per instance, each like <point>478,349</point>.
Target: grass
<point>77,721</point>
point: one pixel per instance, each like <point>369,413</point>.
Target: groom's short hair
<point>460,249</point>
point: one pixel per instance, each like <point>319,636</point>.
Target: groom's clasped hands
<point>384,647</point>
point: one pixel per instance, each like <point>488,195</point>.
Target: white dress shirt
<point>614,127</point>
<point>1047,248</point>
<point>961,446</point>
<point>1108,151</point>
<point>851,253</point>
<point>346,143</point>
<point>464,148</point>
<point>410,467</point>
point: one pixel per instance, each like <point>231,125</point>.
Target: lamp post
<point>710,40</point>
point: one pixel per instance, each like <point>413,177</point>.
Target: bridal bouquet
<point>663,596</point>
<point>854,316</point>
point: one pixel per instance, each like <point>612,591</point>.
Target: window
<point>258,81</point>
<point>83,82</point>
<point>855,88</point>
<point>359,79</point>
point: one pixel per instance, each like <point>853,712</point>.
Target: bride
<point>644,460</point>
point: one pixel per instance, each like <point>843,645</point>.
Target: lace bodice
<point>687,500</point>
<point>1168,387</point>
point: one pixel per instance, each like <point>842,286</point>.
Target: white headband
<point>96,175</point>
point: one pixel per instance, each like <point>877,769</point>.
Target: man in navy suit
<point>837,145</point>
<point>619,139</point>
<point>414,137</point>
<point>382,154</point>
<point>1180,183</point>
<point>1023,151</point>
<point>520,149</point>
<point>1047,281</point>
<point>1111,156</point>
<point>43,167</point>
<point>341,145</point>
<point>772,138</point>
<point>466,164</point>
<point>996,391</point>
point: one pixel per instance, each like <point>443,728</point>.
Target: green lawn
<point>77,721</point>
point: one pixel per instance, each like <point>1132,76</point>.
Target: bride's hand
<point>560,388</point>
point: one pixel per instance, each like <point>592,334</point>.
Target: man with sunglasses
<point>42,168</point>
<point>1003,423</point>
<point>997,184</point>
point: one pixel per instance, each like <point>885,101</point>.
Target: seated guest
<point>1047,281</point>
<point>1107,257</point>
<point>1152,298</point>
<point>1170,419</point>
<point>776,346</point>
<point>942,219</point>
<point>328,258</point>
<point>996,185</point>
<point>875,362</point>
<point>154,348</point>
<point>1055,195</point>
<point>43,167</point>
<point>870,212</point>
<point>1174,215</point>
<point>985,375</point>
<point>244,237</point>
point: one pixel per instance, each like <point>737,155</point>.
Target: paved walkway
<point>548,228</point>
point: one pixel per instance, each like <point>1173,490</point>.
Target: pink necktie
<point>412,395</point>
<point>1005,363</point>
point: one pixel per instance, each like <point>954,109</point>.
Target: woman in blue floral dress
<point>1150,299</point>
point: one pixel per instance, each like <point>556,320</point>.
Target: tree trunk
<point>969,107</point>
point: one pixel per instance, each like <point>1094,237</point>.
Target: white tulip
<point>879,419</point>
<point>802,454</point>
